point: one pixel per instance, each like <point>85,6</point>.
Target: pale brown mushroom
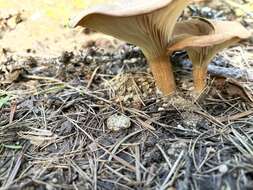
<point>146,23</point>
<point>203,39</point>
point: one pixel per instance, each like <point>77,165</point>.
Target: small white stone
<point>211,150</point>
<point>223,168</point>
<point>93,147</point>
<point>166,105</point>
<point>180,126</point>
<point>161,109</point>
<point>117,122</point>
<point>54,180</point>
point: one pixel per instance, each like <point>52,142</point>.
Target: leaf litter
<point>54,112</point>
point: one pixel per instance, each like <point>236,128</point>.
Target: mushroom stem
<point>199,77</point>
<point>163,74</point>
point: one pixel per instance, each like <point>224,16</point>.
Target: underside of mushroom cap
<point>194,27</point>
<point>219,32</point>
<point>147,24</point>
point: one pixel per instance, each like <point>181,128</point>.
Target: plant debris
<point>55,104</point>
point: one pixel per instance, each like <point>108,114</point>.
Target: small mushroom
<point>147,24</point>
<point>202,39</point>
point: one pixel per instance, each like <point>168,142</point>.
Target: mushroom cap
<point>214,33</point>
<point>120,8</point>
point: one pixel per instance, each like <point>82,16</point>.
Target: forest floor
<point>59,87</point>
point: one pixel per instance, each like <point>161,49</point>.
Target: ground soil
<point>59,86</point>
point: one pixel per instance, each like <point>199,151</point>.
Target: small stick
<point>92,78</point>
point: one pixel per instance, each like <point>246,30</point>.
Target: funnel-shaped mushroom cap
<point>145,23</point>
<point>203,39</point>
<point>200,33</point>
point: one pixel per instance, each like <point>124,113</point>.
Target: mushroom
<point>147,24</point>
<point>202,39</point>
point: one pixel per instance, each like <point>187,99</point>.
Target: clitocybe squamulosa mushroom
<point>203,39</point>
<point>146,23</point>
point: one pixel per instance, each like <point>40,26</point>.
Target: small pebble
<point>223,168</point>
<point>89,59</point>
<point>161,109</point>
<point>211,150</point>
<point>180,127</point>
<point>54,180</point>
<point>118,122</point>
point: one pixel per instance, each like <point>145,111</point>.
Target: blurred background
<point>29,24</point>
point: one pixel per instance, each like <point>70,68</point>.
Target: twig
<point>137,163</point>
<point>92,78</point>
<point>164,155</point>
<point>120,142</point>
<point>235,117</point>
<point>66,85</point>
<point>172,171</point>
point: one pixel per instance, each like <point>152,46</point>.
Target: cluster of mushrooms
<point>152,25</point>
